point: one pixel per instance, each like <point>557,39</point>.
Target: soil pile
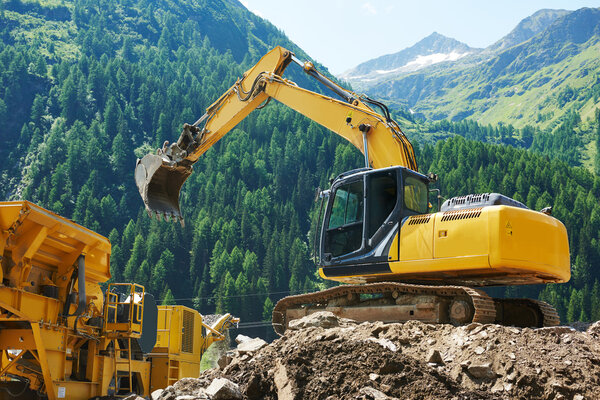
<point>331,358</point>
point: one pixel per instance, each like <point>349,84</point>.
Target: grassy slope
<point>530,97</point>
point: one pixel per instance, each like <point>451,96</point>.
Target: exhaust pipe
<point>81,305</point>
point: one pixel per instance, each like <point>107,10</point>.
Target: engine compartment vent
<point>479,200</point>
<point>462,214</point>
<point>419,219</point>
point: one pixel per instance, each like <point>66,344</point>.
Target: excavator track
<point>525,313</point>
<point>431,305</point>
<point>550,315</point>
<point>458,305</point>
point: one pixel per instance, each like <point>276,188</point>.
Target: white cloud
<point>368,7</point>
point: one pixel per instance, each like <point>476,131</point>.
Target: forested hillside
<point>86,86</point>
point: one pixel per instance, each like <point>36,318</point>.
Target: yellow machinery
<point>62,337</point>
<point>181,340</point>
<point>377,227</point>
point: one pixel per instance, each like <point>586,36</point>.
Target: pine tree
<point>168,299</point>
<point>267,310</point>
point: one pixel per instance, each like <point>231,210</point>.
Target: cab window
<point>345,225</point>
<point>415,195</point>
<point>347,205</point>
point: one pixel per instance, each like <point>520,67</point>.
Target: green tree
<point>169,299</point>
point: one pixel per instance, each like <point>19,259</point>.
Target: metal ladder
<point>127,361</point>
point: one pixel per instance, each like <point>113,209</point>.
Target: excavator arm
<point>159,177</point>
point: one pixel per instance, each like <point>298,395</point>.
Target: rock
<point>224,361</point>
<point>556,330</point>
<point>385,343</point>
<point>594,329</point>
<point>512,376</point>
<point>373,393</point>
<point>242,338</point>
<point>497,388</point>
<point>321,319</point>
<point>285,387</point>
<point>472,326</point>
<point>578,397</point>
<point>373,377</point>
<point>479,350</point>
<point>481,371</point>
<point>223,389</point>
<point>251,346</point>
<point>156,394</point>
<point>434,357</point>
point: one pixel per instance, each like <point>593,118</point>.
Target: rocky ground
<point>327,358</point>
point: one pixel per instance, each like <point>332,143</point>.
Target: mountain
<point>433,49</point>
<point>527,28</point>
<point>86,86</point>
<point>536,82</point>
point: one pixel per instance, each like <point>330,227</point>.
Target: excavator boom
<point>159,177</point>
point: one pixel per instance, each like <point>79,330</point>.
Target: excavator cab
<point>365,210</point>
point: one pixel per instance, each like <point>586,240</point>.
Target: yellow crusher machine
<point>61,337</point>
<point>378,235</point>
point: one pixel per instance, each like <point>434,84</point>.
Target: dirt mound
<point>414,360</point>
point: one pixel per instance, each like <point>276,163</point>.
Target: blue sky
<point>341,34</point>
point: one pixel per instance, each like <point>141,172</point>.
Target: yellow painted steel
<point>182,339</point>
<point>68,356</point>
<point>494,245</point>
<point>385,147</point>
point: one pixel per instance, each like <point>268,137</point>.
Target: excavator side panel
<point>494,245</point>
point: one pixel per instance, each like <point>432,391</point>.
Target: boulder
<point>242,338</point>
<point>156,394</point>
<point>481,371</point>
<point>434,357</point>
<point>251,346</point>
<point>374,393</point>
<point>223,389</point>
<point>320,319</point>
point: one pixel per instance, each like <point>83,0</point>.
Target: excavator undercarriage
<point>399,302</point>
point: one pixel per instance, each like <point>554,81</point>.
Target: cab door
<point>362,219</point>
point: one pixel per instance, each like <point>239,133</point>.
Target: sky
<point>341,34</point>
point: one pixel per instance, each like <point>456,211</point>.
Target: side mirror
<point>432,177</point>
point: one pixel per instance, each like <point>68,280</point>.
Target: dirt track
<point>333,359</point>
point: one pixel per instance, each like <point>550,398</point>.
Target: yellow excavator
<point>400,261</point>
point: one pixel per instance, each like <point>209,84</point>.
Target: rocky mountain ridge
<point>433,49</point>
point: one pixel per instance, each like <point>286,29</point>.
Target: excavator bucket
<point>159,183</point>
